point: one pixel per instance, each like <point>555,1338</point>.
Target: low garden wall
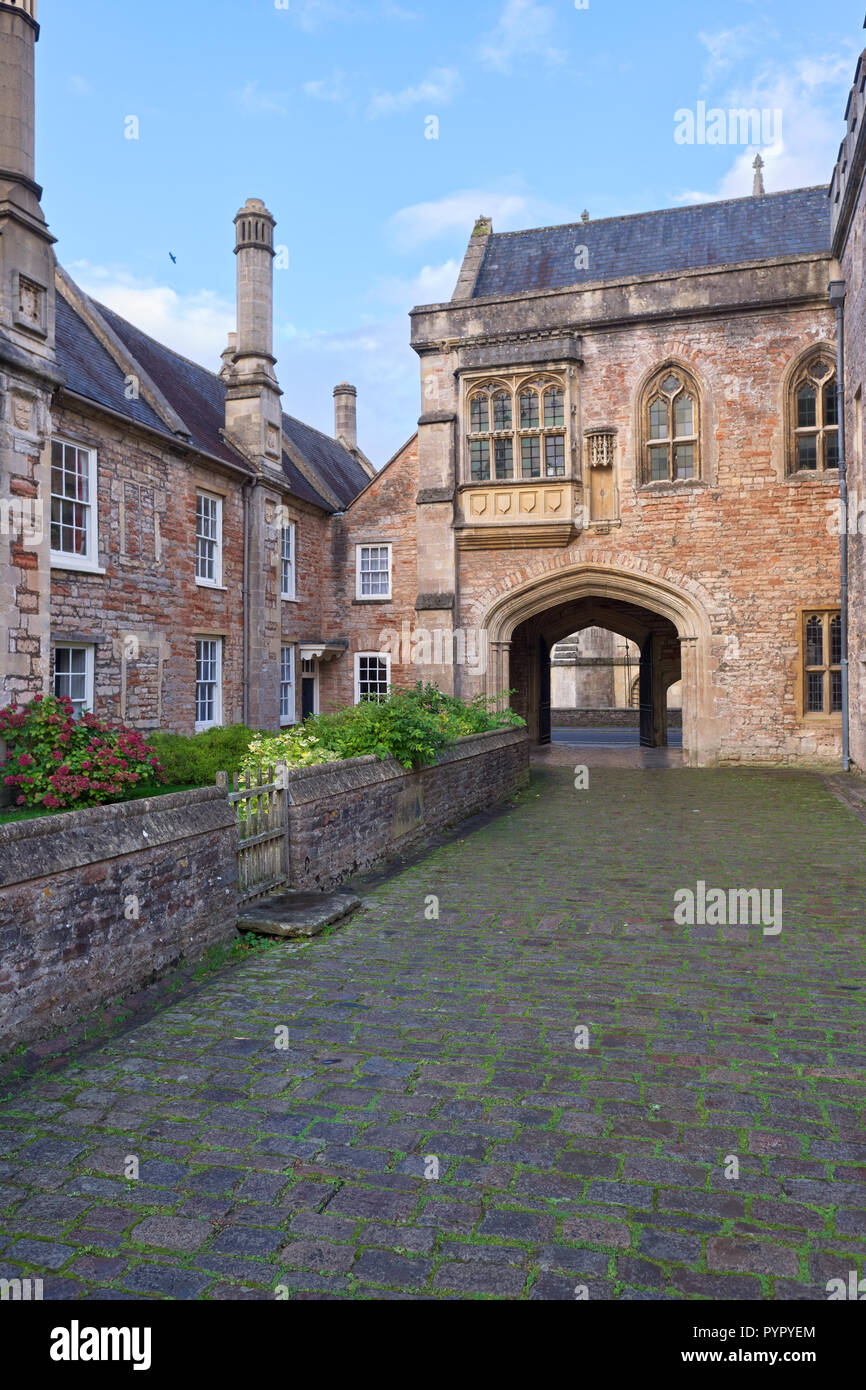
<point>606,718</point>
<point>344,818</point>
<point>97,902</point>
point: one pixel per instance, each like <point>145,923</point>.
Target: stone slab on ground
<point>297,913</point>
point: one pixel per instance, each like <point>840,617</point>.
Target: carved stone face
<point>21,412</point>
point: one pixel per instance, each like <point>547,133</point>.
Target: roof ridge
<point>657,212</point>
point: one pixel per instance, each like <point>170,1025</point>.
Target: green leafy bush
<point>55,761</point>
<point>410,725</point>
<point>195,759</point>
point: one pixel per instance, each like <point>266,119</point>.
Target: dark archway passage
<point>655,635</point>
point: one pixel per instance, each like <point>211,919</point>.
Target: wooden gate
<point>260,802</point>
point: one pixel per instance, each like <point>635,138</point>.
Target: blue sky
<point>321,108</point>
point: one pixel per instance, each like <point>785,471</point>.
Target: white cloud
<point>438,86</point>
<point>195,324</point>
<point>729,46</point>
<point>810,94</point>
<point>327,88</point>
<point>457,212</point>
<point>524,27</point>
<point>79,86</point>
<point>258,103</point>
<point>434,284</point>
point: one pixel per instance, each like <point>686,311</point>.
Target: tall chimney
<point>253,412</point>
<point>18,34</point>
<point>27,262</point>
<point>345,415</point>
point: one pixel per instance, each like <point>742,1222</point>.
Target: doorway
<point>309,687</point>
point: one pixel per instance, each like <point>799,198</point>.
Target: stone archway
<point>645,608</point>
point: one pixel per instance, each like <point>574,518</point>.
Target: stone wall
<point>848,214</point>
<point>95,903</point>
<point>606,718</point>
<point>347,817</point>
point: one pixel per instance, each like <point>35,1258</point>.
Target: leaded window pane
<point>502,411</point>
<point>554,407</point>
<point>684,416</point>
<point>479,414</point>
<point>504,457</point>
<point>831,449</point>
<point>836,641</point>
<point>554,455</point>
<point>831,404</point>
<point>684,461</point>
<point>814,642</point>
<point>671,384</point>
<point>659,419</point>
<point>835,692</point>
<point>815,692</point>
<point>530,456</point>
<point>807,408</point>
<point>807,451</point>
<point>528,410</point>
<point>658,464</point>
<point>479,458</point>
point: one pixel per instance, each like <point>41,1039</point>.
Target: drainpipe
<point>837,302</point>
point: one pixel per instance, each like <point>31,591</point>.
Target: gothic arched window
<point>671,428</point>
<point>814,415</point>
<point>516,431</point>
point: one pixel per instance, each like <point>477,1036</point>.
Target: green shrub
<point>410,725</point>
<point>56,762</point>
<point>195,759</point>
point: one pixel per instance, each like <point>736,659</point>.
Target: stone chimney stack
<point>345,415</point>
<point>19,32</point>
<point>253,412</point>
<point>27,266</point>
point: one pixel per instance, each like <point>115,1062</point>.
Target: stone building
<point>848,219</point>
<point>627,425</point>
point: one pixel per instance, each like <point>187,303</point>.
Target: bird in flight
<point>173,258</point>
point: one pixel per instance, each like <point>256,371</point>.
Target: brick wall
<point>384,513</point>
<point>345,818</point>
<point>145,612</point>
<point>67,883</point>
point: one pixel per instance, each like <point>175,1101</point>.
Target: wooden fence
<point>260,801</point>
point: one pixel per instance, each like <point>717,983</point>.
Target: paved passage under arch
<point>414,1039</point>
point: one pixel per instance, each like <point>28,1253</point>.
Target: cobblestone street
<point>412,1039</point>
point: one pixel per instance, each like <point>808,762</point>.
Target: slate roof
<point>198,397</point>
<point>92,372</point>
<point>647,243</point>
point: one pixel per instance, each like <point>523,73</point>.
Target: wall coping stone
<point>323,780</point>
<point>32,849</point>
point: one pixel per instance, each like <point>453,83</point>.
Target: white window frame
<point>202,581</point>
<point>312,675</point>
<point>216,722</point>
<point>290,718</point>
<point>380,656</point>
<point>89,662</point>
<point>359,551</point>
<point>89,560</point>
<point>289,528</point>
